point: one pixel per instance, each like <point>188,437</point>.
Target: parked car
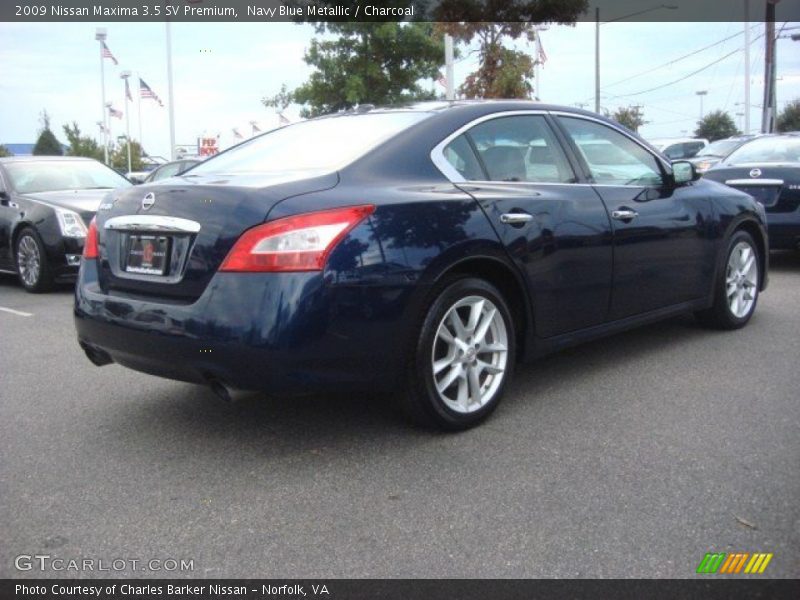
<point>422,250</point>
<point>139,176</point>
<point>768,168</point>
<point>679,148</point>
<point>716,151</point>
<point>171,169</point>
<point>46,204</point>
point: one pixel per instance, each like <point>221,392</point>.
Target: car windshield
<point>720,148</point>
<point>767,150</point>
<point>318,144</point>
<point>28,177</point>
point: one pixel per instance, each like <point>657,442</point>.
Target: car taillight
<point>298,243</point>
<point>90,245</point>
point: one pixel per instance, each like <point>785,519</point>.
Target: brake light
<point>298,243</point>
<point>90,245</point>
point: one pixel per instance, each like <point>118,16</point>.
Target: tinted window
<point>459,154</point>
<point>690,149</point>
<point>612,158</point>
<point>520,148</point>
<point>324,144</point>
<point>29,177</point>
<point>675,151</point>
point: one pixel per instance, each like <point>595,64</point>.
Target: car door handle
<point>515,218</point>
<point>624,214</point>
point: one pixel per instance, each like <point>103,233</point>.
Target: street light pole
<point>701,93</point>
<point>124,76</point>
<point>169,92</point>
<point>100,35</point>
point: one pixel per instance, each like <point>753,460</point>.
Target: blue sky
<point>223,70</point>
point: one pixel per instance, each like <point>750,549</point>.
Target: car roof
<point>10,159</point>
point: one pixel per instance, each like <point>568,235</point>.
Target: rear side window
<point>612,158</point>
<point>515,148</point>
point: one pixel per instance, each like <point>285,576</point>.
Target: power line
<point>680,58</point>
<point>692,74</point>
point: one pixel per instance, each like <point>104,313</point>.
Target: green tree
<point>119,156</point>
<point>631,117</point>
<point>376,63</point>
<point>715,126</point>
<point>80,145</point>
<point>4,151</point>
<point>502,72</point>
<point>789,119</point>
<point>47,144</point>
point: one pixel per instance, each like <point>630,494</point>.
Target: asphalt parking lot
<point>628,457</point>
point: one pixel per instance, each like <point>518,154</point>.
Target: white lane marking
<point>19,313</point>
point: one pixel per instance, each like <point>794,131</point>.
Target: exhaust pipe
<point>221,390</point>
<point>98,357</point>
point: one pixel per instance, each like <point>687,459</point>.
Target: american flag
<point>101,126</point>
<point>542,56</point>
<point>114,112</point>
<point>107,54</point>
<point>236,134</point>
<point>146,92</point>
<point>442,81</point>
<point>255,127</point>
<point>128,90</point>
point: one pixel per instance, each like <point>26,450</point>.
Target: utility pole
<point>124,76</point>
<point>171,96</point>
<point>597,59</point>
<point>701,93</point>
<point>746,66</point>
<point>768,112</point>
<point>448,68</point>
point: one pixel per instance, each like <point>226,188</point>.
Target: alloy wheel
<point>470,352</point>
<point>741,279</point>
<point>29,260</point>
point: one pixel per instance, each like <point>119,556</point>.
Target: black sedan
<point>716,151</point>
<point>46,204</point>
<point>768,168</point>
<point>423,251</point>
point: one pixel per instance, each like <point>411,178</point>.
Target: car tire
<point>30,258</point>
<point>456,376</point>
<point>737,285</point>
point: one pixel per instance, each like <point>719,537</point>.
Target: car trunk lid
<point>168,239</point>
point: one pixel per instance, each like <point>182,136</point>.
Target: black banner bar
<point>400,589</point>
<point>380,10</point>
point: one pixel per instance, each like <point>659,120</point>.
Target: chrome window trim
<point>754,182</point>
<point>154,223</point>
<point>450,172</point>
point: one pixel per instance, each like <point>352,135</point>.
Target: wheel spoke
<point>474,315</point>
<point>493,348</point>
<point>489,368</point>
<point>448,379</point>
<point>474,385</point>
<point>463,393</point>
<point>442,364</point>
<point>486,322</point>
<point>458,326</point>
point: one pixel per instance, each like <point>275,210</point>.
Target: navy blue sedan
<point>424,250</point>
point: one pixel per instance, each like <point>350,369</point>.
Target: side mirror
<point>683,172</point>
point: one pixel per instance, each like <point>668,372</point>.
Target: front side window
<point>317,144</point>
<point>515,148</point>
<point>612,158</point>
<point>166,171</point>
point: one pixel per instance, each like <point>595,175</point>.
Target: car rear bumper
<point>281,332</point>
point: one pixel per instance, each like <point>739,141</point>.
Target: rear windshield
<point>318,144</point>
<point>28,177</point>
<point>767,150</point>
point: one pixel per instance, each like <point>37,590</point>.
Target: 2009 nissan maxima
<point>424,250</point>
